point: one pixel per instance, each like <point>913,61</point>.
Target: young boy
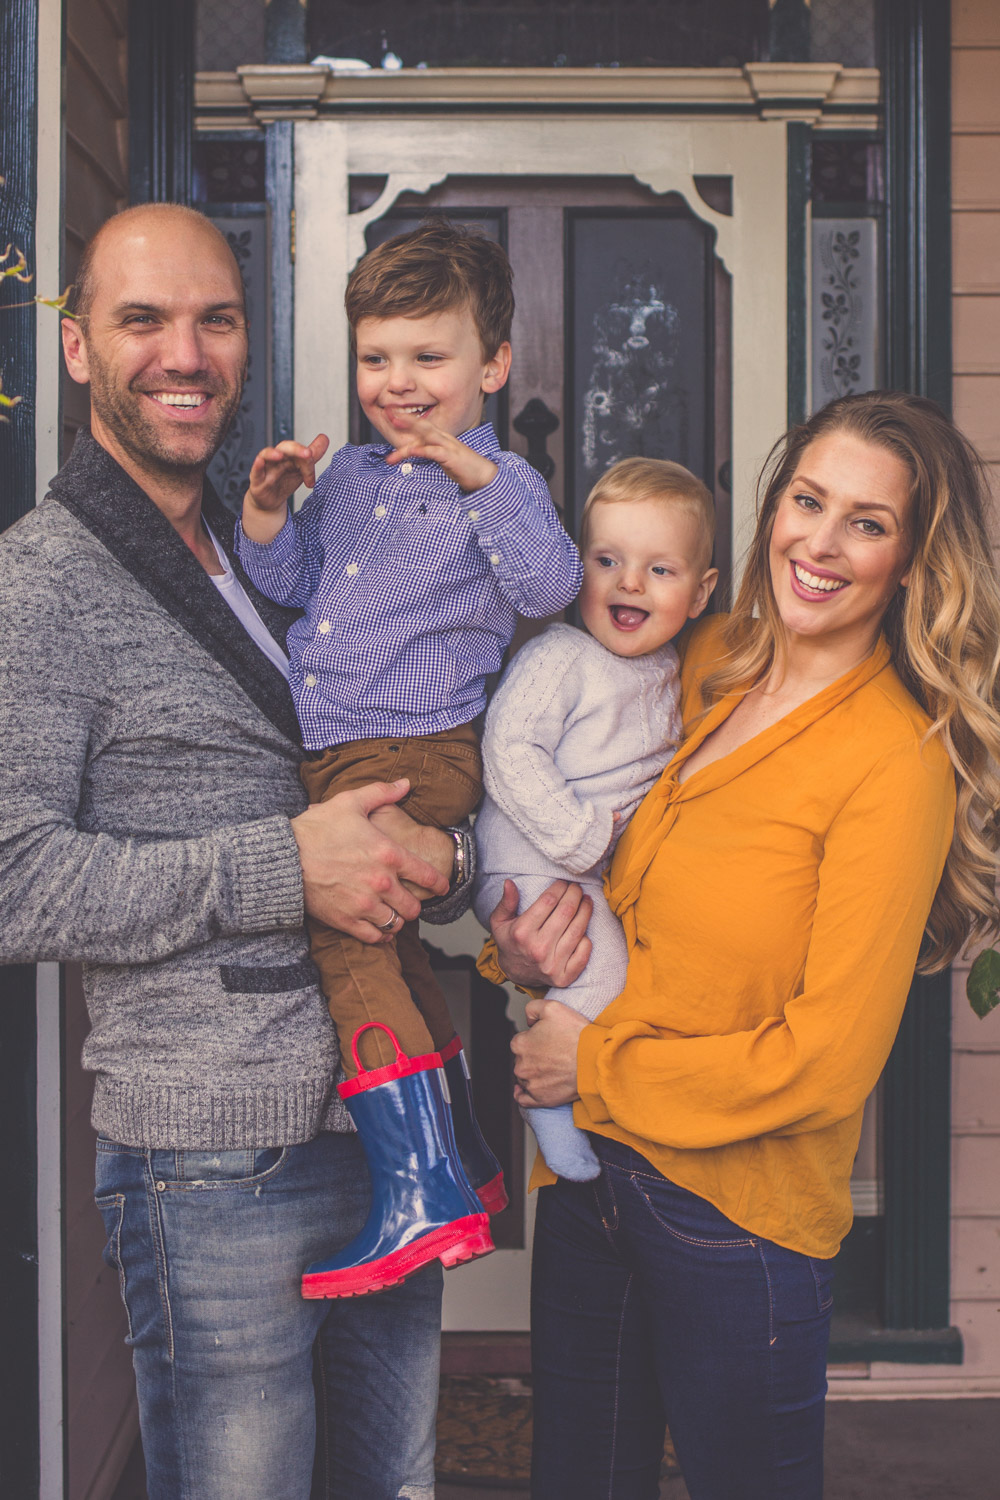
<point>411,559</point>
<point>584,722</point>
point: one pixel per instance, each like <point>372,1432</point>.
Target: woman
<point>776,888</point>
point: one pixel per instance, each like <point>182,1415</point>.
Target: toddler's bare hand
<point>419,438</point>
<point>275,475</point>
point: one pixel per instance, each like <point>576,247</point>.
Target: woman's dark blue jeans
<point>650,1307</point>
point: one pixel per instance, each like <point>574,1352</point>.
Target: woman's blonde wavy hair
<point>943,630</point>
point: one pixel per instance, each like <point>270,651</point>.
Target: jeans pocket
<point>188,1171</point>
<point>822,1271</point>
<point>686,1217</point>
<point>112,1209</point>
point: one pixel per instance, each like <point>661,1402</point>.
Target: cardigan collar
<point>654,818</point>
<point>95,489</point>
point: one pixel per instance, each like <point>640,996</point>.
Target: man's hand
<point>547,944</point>
<point>429,843</point>
<point>352,873</point>
<point>275,475</point>
<point>545,1054</point>
<point>419,438</point>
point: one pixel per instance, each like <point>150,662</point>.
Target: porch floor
<point>898,1450</point>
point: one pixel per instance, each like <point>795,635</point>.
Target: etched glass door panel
<point>567,239</point>
<point>641,342</point>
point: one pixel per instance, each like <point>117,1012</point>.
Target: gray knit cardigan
<point>148,770</point>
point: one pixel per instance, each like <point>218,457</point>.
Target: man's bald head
<point>141,217</point>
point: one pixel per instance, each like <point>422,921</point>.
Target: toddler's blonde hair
<point>654,479</point>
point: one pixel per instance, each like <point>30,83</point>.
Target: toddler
<point>584,722</point>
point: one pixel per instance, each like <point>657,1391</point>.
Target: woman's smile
<point>809,582</point>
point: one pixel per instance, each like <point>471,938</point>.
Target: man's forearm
<point>91,897</point>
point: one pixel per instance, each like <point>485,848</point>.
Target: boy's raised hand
<point>275,475</point>
<point>419,438</point>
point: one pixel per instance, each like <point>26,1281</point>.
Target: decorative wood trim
<point>917,1154</point>
<point>918,357</point>
<point>917,73</point>
<point>820,92</point>
<point>161,100</point>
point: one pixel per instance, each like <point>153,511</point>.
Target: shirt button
<point>310,680</point>
<point>324,627</point>
<point>473,515</point>
<point>494,558</point>
<point>406,468</point>
<point>379,512</point>
<point>351,569</point>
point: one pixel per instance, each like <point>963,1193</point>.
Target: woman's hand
<point>430,844</point>
<point>547,944</point>
<point>545,1055</point>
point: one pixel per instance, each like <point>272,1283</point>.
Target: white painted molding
<point>282,91</point>
<point>663,152</point>
<point>929,1387</point>
<point>821,92</point>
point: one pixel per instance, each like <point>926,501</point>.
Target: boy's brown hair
<point>434,268</point>
<point>654,479</point>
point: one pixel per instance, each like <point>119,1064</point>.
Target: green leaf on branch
<point>59,303</point>
<point>983,983</point>
<point>20,267</point>
<point>6,401</point>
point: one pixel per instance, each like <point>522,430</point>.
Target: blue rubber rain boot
<point>422,1207</point>
<point>481,1166</point>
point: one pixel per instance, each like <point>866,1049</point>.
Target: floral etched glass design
<point>845,312</point>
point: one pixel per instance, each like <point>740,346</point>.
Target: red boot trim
<point>453,1048</point>
<point>461,1240</point>
<point>493,1195</point>
<point>403,1067</point>
<point>387,1074</point>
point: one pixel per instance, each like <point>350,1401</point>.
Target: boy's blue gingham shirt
<point>410,588</point>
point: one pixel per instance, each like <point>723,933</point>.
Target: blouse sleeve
<point>814,1065</point>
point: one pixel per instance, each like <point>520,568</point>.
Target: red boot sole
<point>453,1244</point>
<point>493,1195</point>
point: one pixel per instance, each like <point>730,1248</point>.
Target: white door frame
<point>664,154</point>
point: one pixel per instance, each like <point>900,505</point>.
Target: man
<point>153,826</point>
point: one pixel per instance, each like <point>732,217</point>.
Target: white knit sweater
<point>573,735</point>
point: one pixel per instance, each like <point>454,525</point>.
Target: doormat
<point>484,1432</point>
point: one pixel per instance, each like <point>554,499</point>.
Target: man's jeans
<point>232,1365</point>
<point>648,1305</point>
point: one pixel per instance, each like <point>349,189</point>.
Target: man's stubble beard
<point>121,411</point>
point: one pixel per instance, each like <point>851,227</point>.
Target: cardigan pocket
<point>267,979</point>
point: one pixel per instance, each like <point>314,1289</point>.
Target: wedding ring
<point>388,926</point>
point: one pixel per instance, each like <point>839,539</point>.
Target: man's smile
<point>179,398</point>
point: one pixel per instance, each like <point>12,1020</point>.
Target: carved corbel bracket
<point>283,91</point>
<point>792,91</point>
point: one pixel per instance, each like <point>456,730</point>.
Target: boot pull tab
<point>380,1026</point>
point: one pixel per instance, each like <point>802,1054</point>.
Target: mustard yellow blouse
<point>774,905</point>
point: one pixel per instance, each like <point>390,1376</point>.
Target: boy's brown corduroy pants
<point>392,982</point>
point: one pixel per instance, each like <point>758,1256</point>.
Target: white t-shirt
<point>239,602</point>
